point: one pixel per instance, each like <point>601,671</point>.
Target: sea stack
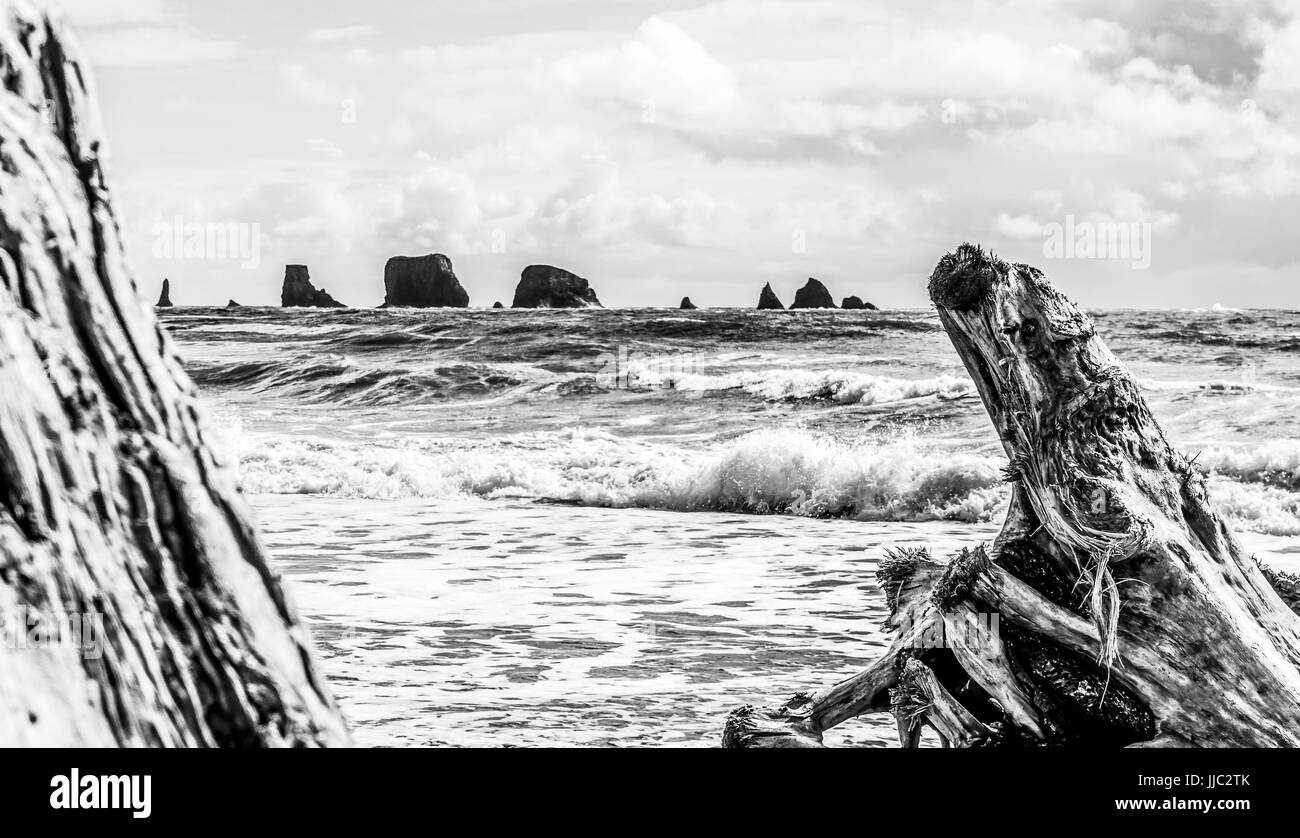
<point>545,286</point>
<point>165,299</point>
<point>299,292</point>
<point>855,303</point>
<point>686,303</point>
<point>497,304</point>
<point>422,282</point>
<point>233,304</point>
<point>767,299</point>
<point>813,295</point>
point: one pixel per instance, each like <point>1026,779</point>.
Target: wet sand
<point>488,623</point>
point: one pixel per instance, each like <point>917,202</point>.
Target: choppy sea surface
<point>610,527</point>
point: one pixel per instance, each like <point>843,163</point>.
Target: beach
<point>611,527</point>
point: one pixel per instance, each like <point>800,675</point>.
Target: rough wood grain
<point>921,699</point>
<point>111,501</point>
<point>1129,613</point>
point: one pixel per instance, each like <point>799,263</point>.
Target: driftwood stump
<point>113,509</point>
<point>1115,606</point>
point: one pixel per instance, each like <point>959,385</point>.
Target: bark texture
<point>111,502</point>
<point>1115,607</point>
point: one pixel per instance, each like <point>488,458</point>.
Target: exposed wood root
<point>1115,606</point>
<point>921,699</point>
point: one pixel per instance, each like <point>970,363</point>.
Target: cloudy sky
<point>665,150</point>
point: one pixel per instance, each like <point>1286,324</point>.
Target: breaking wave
<point>792,472</point>
<point>338,379</point>
<point>1275,463</point>
<point>764,472</point>
<point>839,386</point>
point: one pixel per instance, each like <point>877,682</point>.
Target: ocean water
<point>610,527</point>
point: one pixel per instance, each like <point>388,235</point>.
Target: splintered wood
<point>1127,612</point>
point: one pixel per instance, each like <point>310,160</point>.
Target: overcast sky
<point>668,150</point>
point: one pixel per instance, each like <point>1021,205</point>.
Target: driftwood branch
<point>905,576</point>
<point>115,514</point>
<point>1115,607</point>
<point>920,699</point>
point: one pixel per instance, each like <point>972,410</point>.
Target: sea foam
<point>771,471</point>
<point>789,471</point>
<point>839,386</point>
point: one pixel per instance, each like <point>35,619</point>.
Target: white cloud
<point>1021,227</point>
<point>1280,62</point>
<point>310,86</point>
<point>820,119</point>
<point>89,13</point>
<point>142,32</point>
<point>145,45</point>
<point>661,69</point>
<point>326,147</point>
<point>702,139</point>
<point>340,34</point>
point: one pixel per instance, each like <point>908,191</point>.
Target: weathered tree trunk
<point>112,505</point>
<point>1114,607</point>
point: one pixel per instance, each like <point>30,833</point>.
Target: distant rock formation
<point>165,299</point>
<point>813,295</point>
<point>233,304</point>
<point>423,282</point>
<point>544,286</point>
<point>299,292</point>
<point>854,303</point>
<point>497,304</point>
<point>767,299</point>
<point>686,303</point>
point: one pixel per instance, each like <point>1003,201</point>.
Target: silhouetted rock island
<point>686,303</point>
<point>423,282</point>
<point>855,303</point>
<point>767,299</point>
<point>544,286</point>
<point>813,295</point>
<point>299,292</point>
<point>497,304</point>
<point>165,298</point>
